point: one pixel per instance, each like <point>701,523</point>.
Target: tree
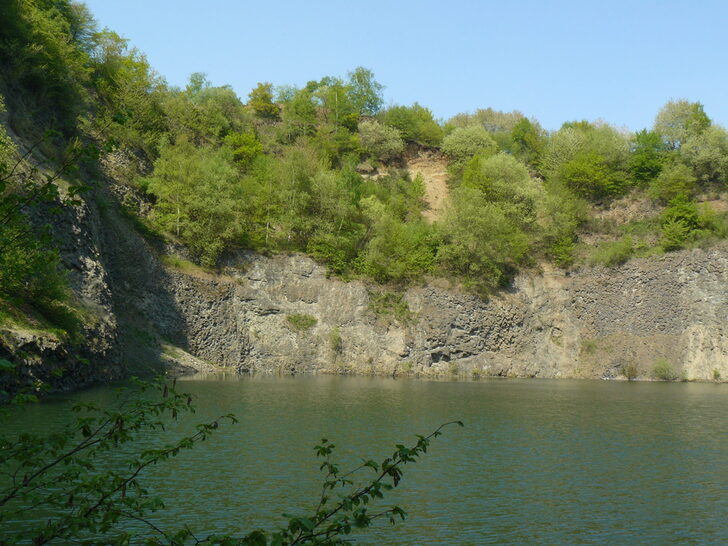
<point>398,251</point>
<point>674,180</point>
<point>707,154</point>
<point>680,119</point>
<point>415,123</point>
<point>528,141</point>
<point>199,198</point>
<point>648,154</point>
<point>379,141</point>
<point>245,148</point>
<point>504,180</point>
<point>481,243</point>
<point>589,175</point>
<point>261,101</point>
<point>365,91</point>
<point>463,143</point>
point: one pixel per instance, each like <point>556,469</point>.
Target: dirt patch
<point>432,166</point>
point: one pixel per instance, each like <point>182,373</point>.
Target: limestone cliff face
<point>592,323</point>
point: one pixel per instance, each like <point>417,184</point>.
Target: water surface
<point>537,462</point>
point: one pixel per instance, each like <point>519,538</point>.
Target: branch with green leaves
<point>68,482</point>
<point>67,477</point>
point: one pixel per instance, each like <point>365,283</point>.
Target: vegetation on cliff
<point>321,169</point>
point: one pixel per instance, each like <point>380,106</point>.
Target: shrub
<point>614,253</point>
<point>335,341</point>
<point>716,375</point>
<point>301,322</point>
<point>589,346</point>
<point>680,223</point>
<point>464,142</point>
<point>415,123</point>
<point>664,371</point>
<point>589,175</point>
<point>390,303</point>
<point>671,182</point>
<point>630,372</point>
<point>380,141</point>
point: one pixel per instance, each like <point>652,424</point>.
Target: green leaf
<point>6,365</point>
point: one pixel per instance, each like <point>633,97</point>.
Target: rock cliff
<point>592,323</point>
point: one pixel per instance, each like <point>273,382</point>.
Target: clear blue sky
<point>554,60</point>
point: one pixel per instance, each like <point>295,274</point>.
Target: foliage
<point>335,341</point>
<point>647,157</point>
<point>664,370</point>
<point>398,250</point>
<point>680,222</point>
<point>301,322</point>
<point>245,148</point>
<point>493,121</point>
<point>679,120</point>
<point>198,198</point>
<point>674,180</point>
<point>67,475</point>
<point>260,100</point>
<point>384,303</point>
<point>589,175</point>
<point>481,244</point>
<point>30,268</point>
<point>68,479</point>
<point>707,155</point>
<point>365,91</point>
<point>614,253</point>
<point>559,216</point>
<point>504,180</point>
<point>464,142</point>
<point>415,123</point>
<point>630,372</point>
<point>379,141</point>
<point>528,142</point>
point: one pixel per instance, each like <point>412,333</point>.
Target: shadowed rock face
<point>591,323</point>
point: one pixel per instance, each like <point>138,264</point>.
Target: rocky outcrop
<point>592,323</point>
<point>595,322</point>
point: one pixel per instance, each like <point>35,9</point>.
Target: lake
<point>538,461</point>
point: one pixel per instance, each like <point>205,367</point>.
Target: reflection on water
<point>538,461</point>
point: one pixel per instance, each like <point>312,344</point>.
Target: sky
<point>619,61</point>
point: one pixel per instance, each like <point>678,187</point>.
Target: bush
<point>673,181</point>
<point>614,253</point>
<point>415,123</point>
<point>379,141</point>
<point>630,372</point>
<point>464,142</point>
<point>589,175</point>
<point>390,304</point>
<point>335,341</point>
<point>664,371</point>
<point>301,322</point>
<point>680,223</point>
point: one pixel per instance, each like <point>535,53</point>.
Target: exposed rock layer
<point>594,323</point>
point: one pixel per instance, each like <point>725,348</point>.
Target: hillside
<point>131,211</point>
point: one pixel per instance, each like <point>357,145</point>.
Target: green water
<point>537,462</point>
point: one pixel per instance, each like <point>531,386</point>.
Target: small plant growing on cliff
<point>589,346</point>
<point>716,375</point>
<point>664,371</point>
<point>335,341</point>
<point>390,304</point>
<point>630,372</point>
<point>301,322</point>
